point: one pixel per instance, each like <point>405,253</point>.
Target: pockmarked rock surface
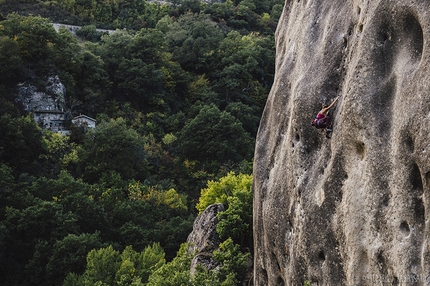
<point>353,209</point>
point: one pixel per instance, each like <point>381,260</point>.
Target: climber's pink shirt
<point>319,116</point>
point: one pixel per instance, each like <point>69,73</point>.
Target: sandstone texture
<point>204,239</point>
<point>353,209</point>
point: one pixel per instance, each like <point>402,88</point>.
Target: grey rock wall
<point>53,98</point>
<point>353,209</point>
<point>204,239</point>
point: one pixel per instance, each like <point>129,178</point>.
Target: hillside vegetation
<point>177,91</point>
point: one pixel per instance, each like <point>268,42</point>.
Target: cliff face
<point>353,209</point>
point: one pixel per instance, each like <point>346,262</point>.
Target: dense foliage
<point>177,90</point>
<point>234,192</point>
<point>230,272</point>
<point>109,267</point>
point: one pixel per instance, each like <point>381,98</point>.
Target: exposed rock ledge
<point>204,239</point>
<point>353,209</point>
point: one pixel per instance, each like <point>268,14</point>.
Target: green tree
<point>35,37</point>
<point>69,255</point>
<point>21,144</point>
<point>44,220</point>
<point>107,266</point>
<point>12,67</point>
<point>6,186</point>
<point>164,24</point>
<point>276,11</point>
<point>85,8</point>
<point>149,260</point>
<point>214,137</point>
<point>200,90</point>
<point>12,193</point>
<point>246,114</point>
<point>221,12</point>
<point>233,263</point>
<point>194,40</point>
<point>139,69</point>
<point>66,54</point>
<point>193,6</point>
<point>57,188</point>
<point>167,221</point>
<point>57,147</point>
<point>191,98</point>
<point>245,72</point>
<point>147,45</point>
<point>176,272</point>
<point>229,186</point>
<point>140,84</point>
<point>112,50</point>
<point>90,214</point>
<point>244,16</point>
<point>89,32</point>
<point>32,233</point>
<point>92,84</point>
<point>132,222</point>
<point>102,265</point>
<point>172,232</point>
<point>234,191</point>
<point>112,146</point>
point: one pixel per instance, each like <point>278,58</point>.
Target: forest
<point>178,91</point>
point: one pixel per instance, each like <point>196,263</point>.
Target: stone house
<point>48,107</point>
<point>83,120</point>
<point>53,120</point>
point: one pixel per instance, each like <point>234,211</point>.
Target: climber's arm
<point>325,110</point>
<point>333,103</point>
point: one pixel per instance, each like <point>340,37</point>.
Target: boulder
<point>204,239</point>
<point>353,209</point>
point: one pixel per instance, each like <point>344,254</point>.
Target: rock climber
<point>322,120</point>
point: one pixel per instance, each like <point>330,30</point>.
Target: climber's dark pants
<point>323,123</point>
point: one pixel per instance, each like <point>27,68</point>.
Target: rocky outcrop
<point>353,209</point>
<point>52,98</point>
<point>204,239</point>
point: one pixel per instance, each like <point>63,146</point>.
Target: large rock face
<point>353,209</point>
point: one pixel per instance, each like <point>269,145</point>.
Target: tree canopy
<point>177,91</point>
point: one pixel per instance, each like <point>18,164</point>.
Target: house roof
<point>82,116</point>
